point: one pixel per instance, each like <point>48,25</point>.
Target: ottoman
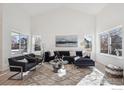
<point>84,62</point>
<point>113,71</point>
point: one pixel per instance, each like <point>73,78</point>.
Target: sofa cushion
<point>70,59</point>
<point>31,55</point>
<point>61,53</point>
<point>64,53</point>
<point>31,65</point>
<point>18,57</point>
<point>51,53</point>
<point>76,58</point>
<point>30,59</point>
<point>23,60</point>
<point>79,53</point>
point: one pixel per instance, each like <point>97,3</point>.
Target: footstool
<point>113,71</point>
<point>84,62</point>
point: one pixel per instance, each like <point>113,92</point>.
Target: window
<point>88,42</point>
<point>104,43</point>
<point>19,43</point>
<point>24,43</point>
<point>14,42</point>
<point>36,41</point>
<point>111,42</point>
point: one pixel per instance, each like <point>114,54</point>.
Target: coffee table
<point>58,67</point>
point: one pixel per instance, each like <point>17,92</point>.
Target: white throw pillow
<point>23,60</point>
<point>51,53</point>
<point>76,58</point>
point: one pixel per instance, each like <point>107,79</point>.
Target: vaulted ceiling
<point>39,8</point>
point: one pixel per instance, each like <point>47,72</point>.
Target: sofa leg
<point>21,76</point>
<point>21,73</point>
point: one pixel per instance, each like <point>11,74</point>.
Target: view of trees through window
<point>19,42</point>
<point>111,42</point>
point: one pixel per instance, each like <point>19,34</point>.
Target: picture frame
<point>66,41</point>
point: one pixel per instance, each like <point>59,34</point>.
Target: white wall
<point>109,17</point>
<point>14,19</point>
<point>0,37</point>
<point>62,21</point>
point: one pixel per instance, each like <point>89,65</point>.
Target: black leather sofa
<point>82,61</point>
<point>65,55</point>
<point>48,57</point>
<point>62,54</point>
<point>23,63</point>
<point>70,59</point>
<point>79,53</point>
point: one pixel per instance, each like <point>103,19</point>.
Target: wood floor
<point>45,76</point>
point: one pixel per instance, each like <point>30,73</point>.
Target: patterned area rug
<point>45,76</point>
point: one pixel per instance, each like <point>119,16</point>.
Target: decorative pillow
<point>23,60</point>
<point>85,54</point>
<point>51,53</point>
<point>30,59</point>
<point>76,58</point>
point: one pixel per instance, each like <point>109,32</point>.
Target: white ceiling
<point>39,8</point>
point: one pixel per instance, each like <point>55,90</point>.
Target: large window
<point>111,42</point>
<point>19,43</point>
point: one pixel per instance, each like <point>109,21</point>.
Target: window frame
<point>109,42</point>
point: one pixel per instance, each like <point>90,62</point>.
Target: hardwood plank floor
<point>45,76</point>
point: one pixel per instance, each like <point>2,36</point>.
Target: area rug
<point>94,78</point>
<point>45,76</point>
